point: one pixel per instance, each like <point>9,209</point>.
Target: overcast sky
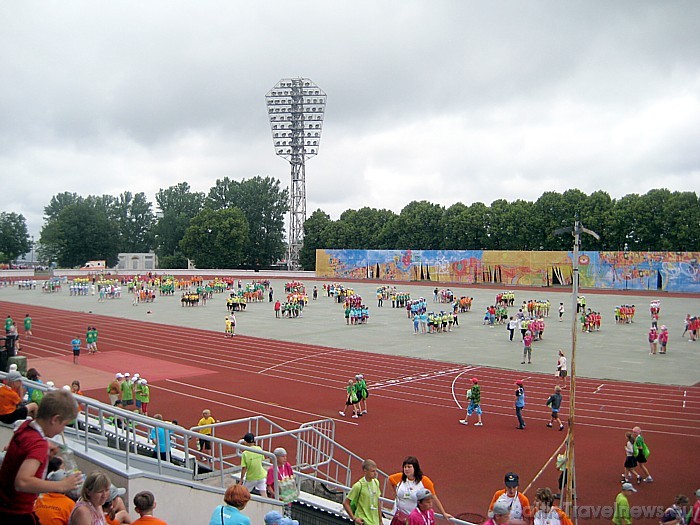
<point>447,101</point>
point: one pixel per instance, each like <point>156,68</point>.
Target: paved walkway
<point>616,352</point>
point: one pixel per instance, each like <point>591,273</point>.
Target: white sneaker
<point>648,479</point>
<point>341,413</point>
<point>464,421</point>
<point>355,416</point>
<point>478,424</point>
<point>364,411</point>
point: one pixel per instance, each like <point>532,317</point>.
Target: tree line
<point>241,224</point>
<point>659,220</point>
<point>236,224</point>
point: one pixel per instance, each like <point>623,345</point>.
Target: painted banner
<point>664,271</point>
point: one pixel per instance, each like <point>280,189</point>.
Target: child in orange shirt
<point>144,504</point>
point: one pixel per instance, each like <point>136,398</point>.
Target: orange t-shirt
<point>53,508</point>
<point>9,399</point>
<point>148,520</point>
<point>395,479</point>
<point>522,498</point>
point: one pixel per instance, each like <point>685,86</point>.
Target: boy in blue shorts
<point>474,398</point>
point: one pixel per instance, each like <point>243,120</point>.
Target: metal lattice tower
<point>296,107</point>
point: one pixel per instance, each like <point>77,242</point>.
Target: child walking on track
<point>351,400</point>
<point>362,393</point>
<point>562,368</point>
<point>75,344</point>
<point>630,460</point>
<point>554,401</point>
<point>474,398</point>
<point>642,454</point>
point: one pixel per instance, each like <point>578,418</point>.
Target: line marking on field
<point>598,389</point>
<point>285,363</point>
<point>388,383</point>
<point>685,393</point>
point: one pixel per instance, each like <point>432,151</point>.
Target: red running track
<point>414,406</point>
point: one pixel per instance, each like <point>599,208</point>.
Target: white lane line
<point>303,358</point>
<point>598,389</point>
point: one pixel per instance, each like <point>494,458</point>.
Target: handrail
<point>315,440</point>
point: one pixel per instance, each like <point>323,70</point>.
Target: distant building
<point>137,262</point>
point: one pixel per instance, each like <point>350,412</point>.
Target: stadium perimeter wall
<point>662,271</point>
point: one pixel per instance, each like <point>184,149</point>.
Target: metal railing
<point>129,435</point>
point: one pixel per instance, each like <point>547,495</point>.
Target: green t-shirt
<point>27,323</point>
<point>476,395</point>
<point>622,515</point>
<point>253,462</point>
<point>142,393</point>
<point>127,392</point>
<point>365,495</point>
<point>8,323</point>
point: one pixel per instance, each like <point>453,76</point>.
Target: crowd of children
<point>356,312</point>
<point>464,304</point>
<point>443,296</point>
<point>590,321</point>
<point>505,298</point>
<point>294,287</point>
<point>235,303</point>
<point>692,326</point>
<point>495,314</point>
<point>624,314</point>
<point>386,293</point>
<point>535,308</point>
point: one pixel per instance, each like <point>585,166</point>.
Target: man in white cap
<point>114,508</point>
<point>143,395</point>
<point>114,390</point>
<point>11,406</point>
<point>499,514</point>
<point>622,514</point>
<point>423,514</point>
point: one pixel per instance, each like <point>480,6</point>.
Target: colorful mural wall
<point>667,271</point>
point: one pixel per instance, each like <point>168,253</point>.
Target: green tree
<point>216,238</point>
<point>455,227</point>
<point>14,238</point>
<point>363,228</point>
<point>315,237</point>
<point>596,214</point>
<point>476,227</point>
<point>178,206</point>
<point>419,227</point>
<point>264,204</point>
<point>79,233</point>
<point>135,219</point>
<point>682,215</point>
<point>508,226</point>
<point>58,202</point>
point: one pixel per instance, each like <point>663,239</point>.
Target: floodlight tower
<point>296,107</point>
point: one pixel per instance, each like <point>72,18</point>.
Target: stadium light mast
<point>295,107</point>
<point>568,498</point>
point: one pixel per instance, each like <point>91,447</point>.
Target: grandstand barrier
<point>187,485</point>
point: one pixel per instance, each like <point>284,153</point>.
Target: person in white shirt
<point>561,368</point>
